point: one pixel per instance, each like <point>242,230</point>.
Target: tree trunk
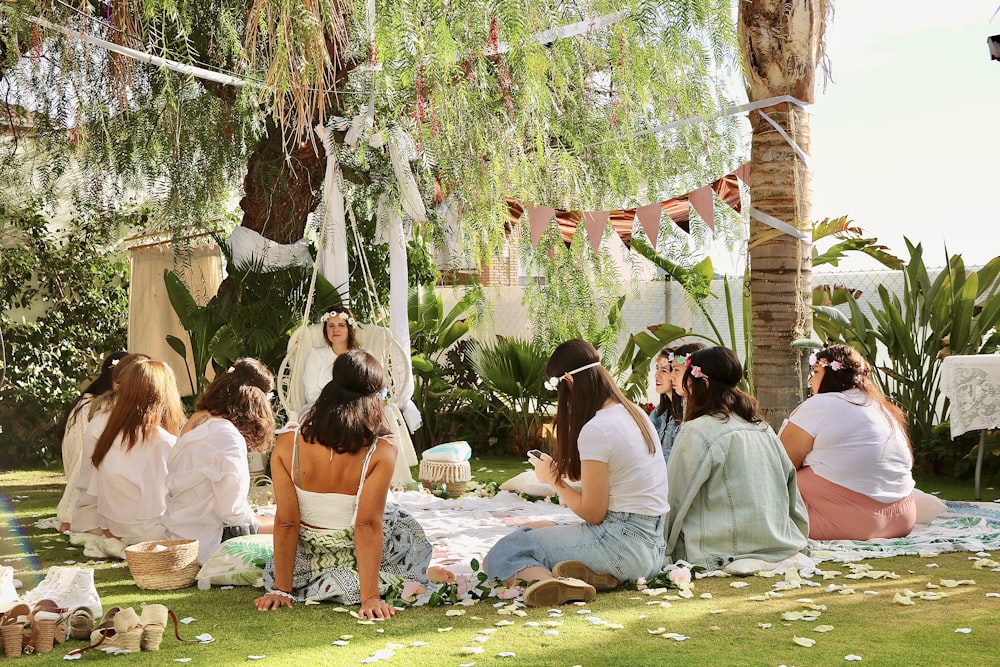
<point>280,191</point>
<point>781,44</point>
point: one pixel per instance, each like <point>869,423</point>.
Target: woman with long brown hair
<point>130,457</point>
<point>852,452</point>
<point>338,333</point>
<point>604,441</point>
<point>733,500</point>
<point>208,476</point>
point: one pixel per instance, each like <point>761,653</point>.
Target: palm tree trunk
<point>781,44</point>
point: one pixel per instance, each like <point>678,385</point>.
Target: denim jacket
<point>732,495</point>
<point>667,428</point>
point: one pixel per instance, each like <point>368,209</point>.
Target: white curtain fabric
<point>151,317</point>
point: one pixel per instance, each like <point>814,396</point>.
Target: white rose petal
<point>852,658</point>
<point>804,641</point>
<point>963,631</point>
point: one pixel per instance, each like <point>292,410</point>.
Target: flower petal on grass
<point>738,584</point>
<point>256,657</point>
<point>182,659</point>
<point>758,598</point>
<point>472,650</point>
<point>823,628</point>
<point>899,598</point>
<point>455,612</point>
<point>187,620</point>
<point>804,641</point>
<point>448,629</point>
<point>506,654</point>
<point>340,642</point>
<point>205,638</point>
<point>993,595</point>
<point>963,631</point>
<point>764,626</point>
<point>676,636</point>
<point>657,631</point>
<point>850,657</point>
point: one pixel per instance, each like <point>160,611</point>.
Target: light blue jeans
<point>625,545</point>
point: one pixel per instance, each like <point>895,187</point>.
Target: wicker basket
<point>455,476</point>
<point>163,565</point>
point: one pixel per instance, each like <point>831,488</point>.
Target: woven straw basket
<point>455,476</point>
<point>163,565</point>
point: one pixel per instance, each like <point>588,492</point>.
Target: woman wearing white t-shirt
<point>607,443</point>
<point>339,335</point>
<point>208,477</point>
<point>853,456</point>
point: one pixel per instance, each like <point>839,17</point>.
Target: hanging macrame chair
<point>376,339</point>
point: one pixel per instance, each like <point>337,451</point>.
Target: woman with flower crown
<point>608,444</point>
<point>208,476</point>
<point>338,332</point>
<point>852,452</point>
<point>734,504</point>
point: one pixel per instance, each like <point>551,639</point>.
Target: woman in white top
<point>208,478</point>
<point>336,537</point>
<point>338,332</point>
<point>86,518</point>
<point>607,443</point>
<point>130,457</point>
<point>74,425</point>
<point>852,452</point>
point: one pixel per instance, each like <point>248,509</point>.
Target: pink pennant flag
<point>595,223</point>
<point>649,217</point>
<point>743,172</point>
<point>539,217</point>
<point>701,199</point>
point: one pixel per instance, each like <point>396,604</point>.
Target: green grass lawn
<point>623,627</point>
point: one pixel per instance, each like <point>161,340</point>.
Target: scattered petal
<point>705,596</point>
<point>993,595</point>
<point>182,659</point>
<point>899,598</point>
<point>823,628</point>
<point>677,637</point>
<point>340,642</point>
<point>455,612</point>
<point>502,622</point>
<point>448,629</point>
<point>551,633</point>
<point>963,631</point>
<point>506,654</point>
<point>256,657</point>
<point>739,584</point>
<point>852,658</point>
<point>187,619</point>
<point>657,631</point>
<point>418,644</point>
<point>804,641</point>
<point>764,626</point>
<point>205,638</point>
<point>72,656</point>
<point>471,650</point>
<point>309,602</point>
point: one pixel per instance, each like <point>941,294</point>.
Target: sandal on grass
<point>12,629</point>
<point>154,621</point>
<point>81,623</point>
<point>45,621</point>
<point>550,592</point>
<point>575,569</point>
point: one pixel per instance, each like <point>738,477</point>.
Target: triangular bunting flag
<point>743,173</point>
<point>649,217</point>
<point>701,199</point>
<point>539,217</point>
<point>595,222</point>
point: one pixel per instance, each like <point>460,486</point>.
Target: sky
<point>906,136</point>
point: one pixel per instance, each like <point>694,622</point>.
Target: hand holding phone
<point>535,453</point>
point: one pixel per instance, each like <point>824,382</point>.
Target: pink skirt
<point>837,513</point>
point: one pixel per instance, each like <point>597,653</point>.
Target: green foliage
<point>71,291</point>
<point>640,349</point>
<point>849,239</point>
<point>956,312</point>
<point>513,375</point>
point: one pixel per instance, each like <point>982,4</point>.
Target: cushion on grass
<point>237,562</point>
<point>928,507</point>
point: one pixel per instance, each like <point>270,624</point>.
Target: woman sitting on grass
<point>335,536</point>
<point>606,442</point>
<point>74,425</point>
<point>128,478</point>
<point>208,476</point>
<point>853,456</point>
<point>733,499</point>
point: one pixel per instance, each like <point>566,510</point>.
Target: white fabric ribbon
<point>332,261</point>
<point>784,135</point>
<point>409,194</point>
<point>771,221</point>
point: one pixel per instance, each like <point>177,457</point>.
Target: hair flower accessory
<point>677,358</point>
<point>695,370</point>
<point>825,363</point>
<point>553,382</point>
<point>347,317</point>
<point>114,362</point>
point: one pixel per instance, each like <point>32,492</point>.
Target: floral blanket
<point>963,527</point>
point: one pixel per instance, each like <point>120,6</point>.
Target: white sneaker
<point>69,587</point>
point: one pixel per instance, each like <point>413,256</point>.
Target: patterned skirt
<point>326,566</point>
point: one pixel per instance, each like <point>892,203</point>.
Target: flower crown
<point>695,370</point>
<point>554,381</point>
<point>679,358</point>
<point>347,317</point>
<point>825,363</point>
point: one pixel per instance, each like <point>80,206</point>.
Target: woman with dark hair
<point>604,441</point>
<point>338,332</point>
<point>130,456</point>
<point>335,536</point>
<point>73,426</point>
<point>208,477</point>
<point>669,413</point>
<point>853,456</point>
<point>733,500</point>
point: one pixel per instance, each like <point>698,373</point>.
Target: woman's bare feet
<point>440,574</point>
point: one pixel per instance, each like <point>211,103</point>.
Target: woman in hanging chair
<point>338,332</point>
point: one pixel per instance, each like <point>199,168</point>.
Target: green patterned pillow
<point>237,562</point>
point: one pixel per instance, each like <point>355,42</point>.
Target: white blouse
<point>130,487</point>
<point>208,482</point>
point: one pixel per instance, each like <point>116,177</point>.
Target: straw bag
<point>163,565</point>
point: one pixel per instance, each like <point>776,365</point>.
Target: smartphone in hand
<point>535,453</point>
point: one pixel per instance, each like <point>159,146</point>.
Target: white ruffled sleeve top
<point>318,372</point>
<point>207,484</point>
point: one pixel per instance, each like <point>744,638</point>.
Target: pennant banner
<point>678,209</point>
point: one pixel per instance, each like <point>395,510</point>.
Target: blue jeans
<point>625,545</point>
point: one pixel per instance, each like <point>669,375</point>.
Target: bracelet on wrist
<point>280,593</point>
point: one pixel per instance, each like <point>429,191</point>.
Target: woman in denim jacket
<point>669,413</point>
<point>733,499</point>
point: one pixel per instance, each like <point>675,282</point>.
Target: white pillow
<point>237,562</point>
<point>928,507</point>
<point>527,484</point>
